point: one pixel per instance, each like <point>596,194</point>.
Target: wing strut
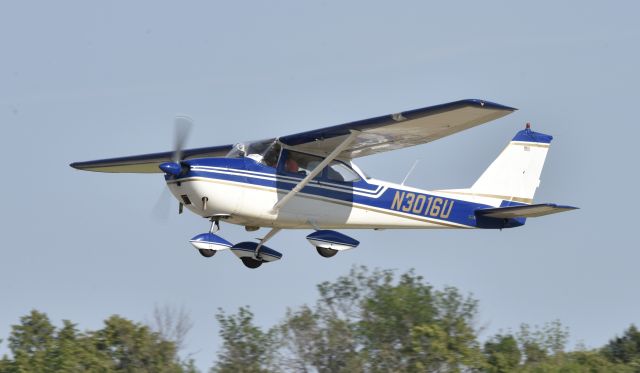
<point>315,172</point>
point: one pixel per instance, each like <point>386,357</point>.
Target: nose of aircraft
<point>171,168</point>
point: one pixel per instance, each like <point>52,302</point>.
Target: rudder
<point>515,174</point>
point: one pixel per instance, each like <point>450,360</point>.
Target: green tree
<point>246,348</point>
<point>375,321</point>
<point>30,342</point>
<point>625,349</point>
<point>503,354</point>
<point>539,343</point>
<point>37,346</point>
<point>132,347</point>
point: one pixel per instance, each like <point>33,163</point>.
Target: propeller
<point>182,127</point>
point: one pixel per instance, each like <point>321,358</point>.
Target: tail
<point>515,174</point>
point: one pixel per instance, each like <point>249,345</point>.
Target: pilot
<point>291,166</point>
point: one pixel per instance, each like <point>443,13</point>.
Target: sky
<point>88,80</point>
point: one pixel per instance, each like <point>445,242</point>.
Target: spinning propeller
<point>182,127</point>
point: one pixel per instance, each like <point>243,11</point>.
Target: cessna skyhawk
<point>308,180</point>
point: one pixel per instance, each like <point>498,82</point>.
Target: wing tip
<point>488,104</point>
<point>76,165</point>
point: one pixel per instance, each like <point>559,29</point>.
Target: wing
<point>147,163</point>
<point>529,211</point>
<point>401,130</point>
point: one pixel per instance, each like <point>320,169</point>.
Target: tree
<point>625,349</point>
<point>121,346</point>
<point>503,354</point>
<point>370,321</point>
<point>172,323</point>
<point>131,347</point>
<point>246,348</point>
<point>31,341</point>
<point>538,343</point>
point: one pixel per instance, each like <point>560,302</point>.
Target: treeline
<point>380,322</point>
<point>366,321</point>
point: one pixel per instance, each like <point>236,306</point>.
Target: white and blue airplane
<point>309,181</point>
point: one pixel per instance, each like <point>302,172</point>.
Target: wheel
<point>326,252</point>
<point>250,262</point>
<point>207,253</point>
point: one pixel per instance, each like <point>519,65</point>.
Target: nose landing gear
<point>209,243</point>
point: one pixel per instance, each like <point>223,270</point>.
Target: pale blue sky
<point>85,80</point>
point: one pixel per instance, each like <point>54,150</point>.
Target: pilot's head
<point>291,166</point>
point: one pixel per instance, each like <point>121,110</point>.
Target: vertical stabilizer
<point>515,174</point>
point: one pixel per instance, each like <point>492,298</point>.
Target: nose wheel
<point>209,243</point>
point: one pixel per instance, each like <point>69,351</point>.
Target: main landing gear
<point>252,254</point>
<point>329,243</point>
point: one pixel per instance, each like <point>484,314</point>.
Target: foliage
<point>502,353</point>
<point>246,349</point>
<point>370,322</point>
<point>625,349</point>
<point>121,345</point>
<point>365,321</point>
<point>378,321</point>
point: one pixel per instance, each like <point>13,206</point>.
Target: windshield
<point>265,151</point>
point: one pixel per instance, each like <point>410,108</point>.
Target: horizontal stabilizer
<point>526,211</point>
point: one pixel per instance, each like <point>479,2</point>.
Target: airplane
<point>308,180</point>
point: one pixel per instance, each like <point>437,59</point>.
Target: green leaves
<point>246,348</point>
<point>363,322</point>
<point>38,346</point>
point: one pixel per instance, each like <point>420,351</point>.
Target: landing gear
<point>209,243</point>
<point>207,253</point>
<point>326,252</point>
<point>246,252</point>
<point>251,263</point>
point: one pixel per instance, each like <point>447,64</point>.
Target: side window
<point>300,164</point>
<point>338,171</point>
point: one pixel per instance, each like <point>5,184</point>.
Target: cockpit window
<point>338,171</point>
<point>300,163</point>
<point>265,152</point>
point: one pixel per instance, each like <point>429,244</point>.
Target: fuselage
<point>244,191</point>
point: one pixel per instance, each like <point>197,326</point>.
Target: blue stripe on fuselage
<point>423,205</point>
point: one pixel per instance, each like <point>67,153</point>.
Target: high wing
<point>529,211</point>
<point>375,135</point>
<point>148,163</point>
<point>400,130</point>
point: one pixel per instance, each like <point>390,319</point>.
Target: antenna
<point>409,173</point>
